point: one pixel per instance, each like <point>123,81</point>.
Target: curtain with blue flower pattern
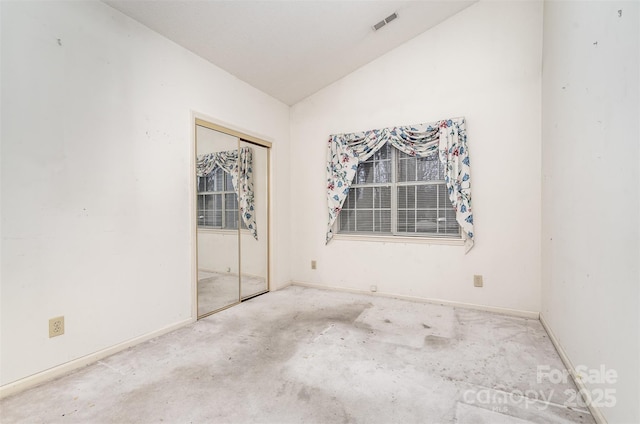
<point>240,167</point>
<point>448,137</point>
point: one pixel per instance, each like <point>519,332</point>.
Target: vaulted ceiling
<point>289,49</point>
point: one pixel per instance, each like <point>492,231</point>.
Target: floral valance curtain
<point>240,167</point>
<point>448,137</point>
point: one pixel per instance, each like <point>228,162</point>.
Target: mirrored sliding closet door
<point>232,192</point>
<point>254,258</point>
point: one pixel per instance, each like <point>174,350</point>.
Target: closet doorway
<point>232,216</point>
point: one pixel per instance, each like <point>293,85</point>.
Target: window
<point>217,201</point>
<point>397,194</point>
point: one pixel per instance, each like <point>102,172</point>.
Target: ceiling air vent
<point>385,21</point>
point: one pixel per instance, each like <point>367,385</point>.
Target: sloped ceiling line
<point>288,49</point>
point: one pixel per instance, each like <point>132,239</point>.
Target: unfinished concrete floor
<point>301,355</point>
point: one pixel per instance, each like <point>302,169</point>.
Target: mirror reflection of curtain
<point>240,167</point>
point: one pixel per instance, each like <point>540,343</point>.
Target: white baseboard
<point>494,309</point>
<point>595,411</point>
<point>51,373</point>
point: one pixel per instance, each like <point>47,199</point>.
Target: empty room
<point>320,211</point>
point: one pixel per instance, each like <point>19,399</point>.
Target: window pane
<point>383,197</point>
<point>406,221</point>
<point>406,168</point>
<point>444,201</point>
<point>446,221</point>
<point>201,182</point>
<point>231,219</point>
<point>350,202</point>
<point>364,197</point>
<point>401,169</point>
<point>210,182</point>
<point>228,182</point>
<point>208,218</point>
<point>451,226</point>
<point>230,201</point>
<point>419,169</point>
<point>382,171</point>
<point>209,214</point>
<point>383,153</point>
<point>427,196</point>
<point>402,197</point>
<point>411,221</point>
<point>383,221</point>
<point>217,201</point>
<point>347,220</point>
<point>376,169</point>
<point>364,173</point>
<point>426,221</point>
<point>429,169</point>
<point>217,219</point>
<point>363,210</point>
<point>407,197</point>
<point>208,202</point>
<point>364,220</point>
<point>217,209</point>
<point>213,180</point>
<point>402,221</point>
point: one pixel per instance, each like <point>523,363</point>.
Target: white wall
<point>484,64</point>
<point>97,178</point>
<point>591,183</point>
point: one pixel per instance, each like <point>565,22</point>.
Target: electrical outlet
<point>373,288</point>
<point>314,264</point>
<point>477,281</point>
<point>56,327</point>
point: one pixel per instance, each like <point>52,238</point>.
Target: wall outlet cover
<point>477,281</point>
<point>56,327</point>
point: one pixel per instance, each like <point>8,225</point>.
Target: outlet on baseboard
<point>314,264</point>
<point>477,281</point>
<point>56,327</point>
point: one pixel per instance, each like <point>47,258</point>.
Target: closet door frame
<point>241,136</point>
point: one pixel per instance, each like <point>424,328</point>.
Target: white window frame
<point>395,235</point>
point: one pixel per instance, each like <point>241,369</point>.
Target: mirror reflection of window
<point>217,202</point>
